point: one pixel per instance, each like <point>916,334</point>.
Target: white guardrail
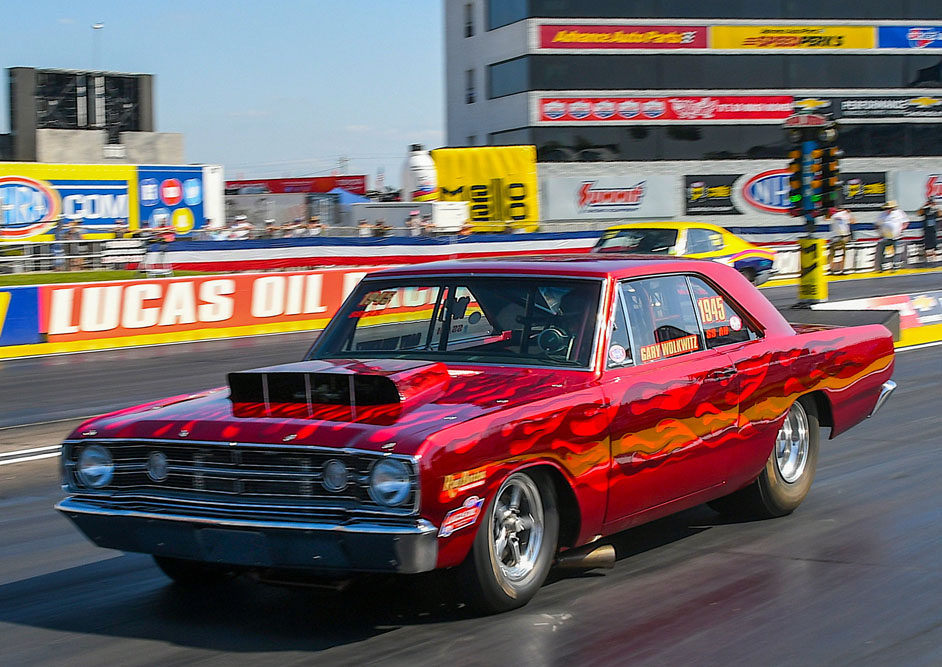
<point>83,255</point>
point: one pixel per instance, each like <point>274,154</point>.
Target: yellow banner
<point>772,37</point>
<point>498,182</point>
<point>35,196</point>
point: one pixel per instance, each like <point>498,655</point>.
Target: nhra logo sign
<point>768,191</point>
<point>934,186</point>
<point>610,199</point>
<point>27,207</point>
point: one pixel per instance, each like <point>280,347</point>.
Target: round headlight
<point>94,467</point>
<point>389,482</point>
<point>158,467</point>
<point>335,475</point>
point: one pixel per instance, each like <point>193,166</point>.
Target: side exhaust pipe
<point>587,558</point>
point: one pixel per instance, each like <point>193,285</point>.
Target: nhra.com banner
<point>34,196</point>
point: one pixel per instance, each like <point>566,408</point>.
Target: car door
<point>673,399</point>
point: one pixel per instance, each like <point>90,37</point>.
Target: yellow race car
<point>690,239</point>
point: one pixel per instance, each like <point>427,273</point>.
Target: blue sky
<point>276,88</point>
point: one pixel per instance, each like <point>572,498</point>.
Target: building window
<point>469,86</point>
<point>508,77</point>
<point>469,20</point>
<point>505,12</point>
<point>472,140</point>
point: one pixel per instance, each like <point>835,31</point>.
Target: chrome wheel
<point>793,444</point>
<point>516,528</point>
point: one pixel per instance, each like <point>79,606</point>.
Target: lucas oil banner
<point>35,197</point>
<point>498,182</point>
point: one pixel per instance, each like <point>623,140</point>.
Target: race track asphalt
<point>851,577</point>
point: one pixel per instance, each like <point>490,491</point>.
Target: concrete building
<point>685,100</point>
<point>79,117</point>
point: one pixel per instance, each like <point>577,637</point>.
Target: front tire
<point>514,546</point>
<point>788,473</point>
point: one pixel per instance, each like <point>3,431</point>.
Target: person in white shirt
<point>840,220</point>
<point>890,224</point>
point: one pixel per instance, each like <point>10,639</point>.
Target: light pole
<point>96,45</point>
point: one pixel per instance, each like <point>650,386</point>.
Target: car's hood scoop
<point>342,390</point>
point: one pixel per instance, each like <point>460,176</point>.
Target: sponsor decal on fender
<point>610,199</point>
<point>463,481</point>
<point>462,517</point>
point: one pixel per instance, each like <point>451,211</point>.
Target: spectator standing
<point>840,220</point>
<point>364,229</point>
<point>931,214</point>
<point>75,250</point>
<point>414,224</point>
<point>381,229</point>
<point>428,227</point>
<point>314,226</point>
<point>890,224</point>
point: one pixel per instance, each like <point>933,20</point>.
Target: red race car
<point>492,417</point>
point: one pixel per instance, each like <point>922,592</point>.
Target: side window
<point>469,325</point>
<point>661,316</point>
<point>723,323</point>
<point>619,343</point>
<point>703,240</point>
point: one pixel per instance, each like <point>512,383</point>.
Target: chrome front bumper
<point>888,388</point>
<point>356,546</point>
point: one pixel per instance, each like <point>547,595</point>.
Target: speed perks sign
<point>773,37</point>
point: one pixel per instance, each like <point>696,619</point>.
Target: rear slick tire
<point>788,473</point>
<point>514,547</point>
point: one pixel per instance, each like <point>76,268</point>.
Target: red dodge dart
<point>489,417</point>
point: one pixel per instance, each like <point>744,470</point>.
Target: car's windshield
<point>638,240</point>
<point>499,320</point>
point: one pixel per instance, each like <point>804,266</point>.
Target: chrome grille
<point>290,478</point>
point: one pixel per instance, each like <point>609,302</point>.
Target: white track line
<point>918,347</point>
<point>21,452</point>
<point>24,459</point>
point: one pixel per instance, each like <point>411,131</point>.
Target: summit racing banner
<point>621,37</point>
<point>774,37</point>
<point>498,182</point>
<point>629,110</point>
<point>928,38</point>
<point>629,195</point>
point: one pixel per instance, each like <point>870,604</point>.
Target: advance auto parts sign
<point>34,196</point>
<point>621,37</point>
<point>790,37</point>
<point>498,182</point>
